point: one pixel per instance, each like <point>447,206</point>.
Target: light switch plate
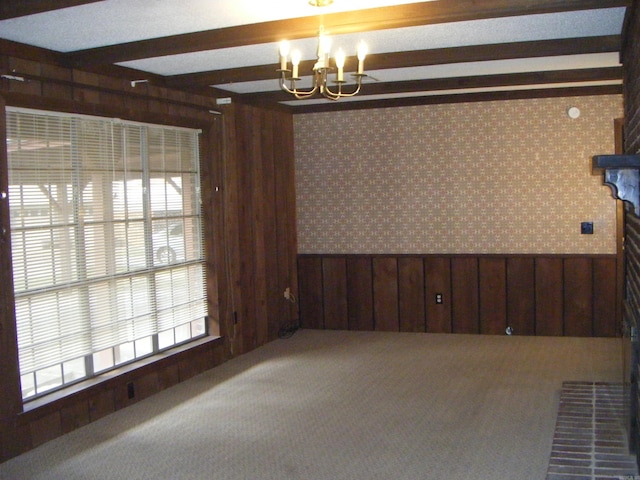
<point>586,228</point>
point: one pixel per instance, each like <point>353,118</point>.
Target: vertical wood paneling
<point>411,294</point>
<point>385,294</point>
<point>232,293</point>
<point>631,61</point>
<point>492,295</point>
<point>245,326</point>
<point>274,293</point>
<point>92,95</point>
<point>101,404</point>
<point>311,295</point>
<point>620,257</point>
<point>33,87</point>
<point>549,296</point>
<point>57,90</point>
<point>258,317</point>
<point>521,295</point>
<point>578,301</point>
<point>631,318</point>
<point>46,428</point>
<point>170,375</point>
<point>115,99</point>
<point>334,283</point>
<point>360,293</point>
<point>10,395</point>
<point>438,281</point>
<point>605,318</point>
<point>190,366</point>
<point>210,181</point>
<point>261,270</point>
<point>285,211</point>
<point>276,314</point>
<point>254,273</point>
<point>465,307</point>
<point>74,416</point>
<point>250,222</point>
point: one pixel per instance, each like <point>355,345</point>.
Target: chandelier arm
<point>340,94</point>
<point>330,95</point>
<point>299,94</point>
<point>321,71</point>
<point>305,95</point>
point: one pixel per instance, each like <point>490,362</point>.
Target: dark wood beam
<point>20,8</point>
<point>501,80</point>
<point>460,98</point>
<point>414,14</point>
<point>471,82</point>
<point>20,50</point>
<point>502,51</point>
<point>474,53</point>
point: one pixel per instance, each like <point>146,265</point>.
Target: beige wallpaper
<point>496,177</point>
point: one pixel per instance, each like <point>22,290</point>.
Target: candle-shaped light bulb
<point>362,53</point>
<point>284,52</point>
<point>340,64</point>
<point>324,49</point>
<point>295,61</point>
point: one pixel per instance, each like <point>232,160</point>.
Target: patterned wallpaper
<point>495,177</point>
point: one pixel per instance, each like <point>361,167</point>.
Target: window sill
<point>59,399</point>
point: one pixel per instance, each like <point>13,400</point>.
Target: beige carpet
<point>343,405</point>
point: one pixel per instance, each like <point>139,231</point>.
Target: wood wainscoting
<point>561,295</point>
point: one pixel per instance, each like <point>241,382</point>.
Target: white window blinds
<point>106,240</point>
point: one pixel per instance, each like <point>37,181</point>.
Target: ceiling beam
<point>439,56</point>
<point>460,98</point>
<point>21,8</point>
<point>399,16</point>
<point>20,50</point>
<point>499,80</point>
<point>470,82</point>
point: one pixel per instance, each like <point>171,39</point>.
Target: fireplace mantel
<point>622,174</point>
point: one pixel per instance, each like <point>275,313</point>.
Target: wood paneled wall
<point>259,228</point>
<point>534,295</point>
<point>250,234</point>
<point>631,61</point>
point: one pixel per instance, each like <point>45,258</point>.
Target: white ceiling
<point>113,22</point>
<point>489,31</point>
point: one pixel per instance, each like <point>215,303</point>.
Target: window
<point>107,244</point>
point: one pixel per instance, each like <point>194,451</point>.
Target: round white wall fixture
<point>573,112</point>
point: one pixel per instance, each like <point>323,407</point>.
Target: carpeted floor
<point>344,405</point>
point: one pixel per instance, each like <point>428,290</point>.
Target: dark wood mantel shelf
<point>622,174</point>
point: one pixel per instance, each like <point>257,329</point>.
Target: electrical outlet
<point>439,299</point>
<point>130,391</point>
<point>287,293</point>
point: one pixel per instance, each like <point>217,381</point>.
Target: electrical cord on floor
<point>287,330</point>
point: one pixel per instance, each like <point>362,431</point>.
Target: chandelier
<point>322,70</point>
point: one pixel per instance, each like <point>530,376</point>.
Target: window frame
<point>201,215</point>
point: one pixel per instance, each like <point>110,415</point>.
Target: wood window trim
<point>119,377</point>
